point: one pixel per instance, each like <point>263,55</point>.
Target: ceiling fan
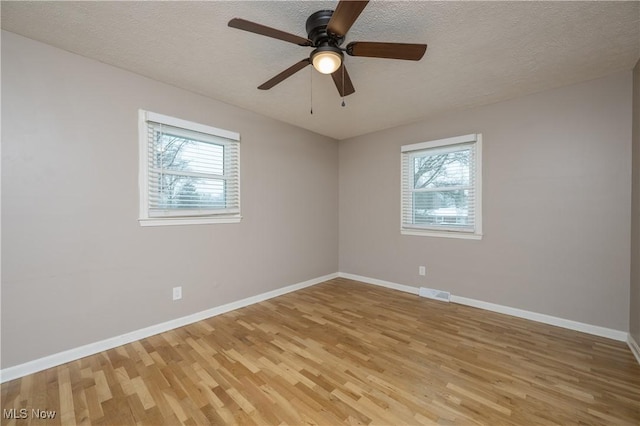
<point>326,30</point>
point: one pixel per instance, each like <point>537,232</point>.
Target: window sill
<point>188,221</point>
<point>441,234</point>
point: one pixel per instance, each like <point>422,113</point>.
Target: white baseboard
<point>635,348</point>
<point>381,283</point>
<point>54,360</point>
<point>520,313</point>
<point>546,319</point>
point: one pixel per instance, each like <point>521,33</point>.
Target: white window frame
<point>184,217</point>
<point>445,145</point>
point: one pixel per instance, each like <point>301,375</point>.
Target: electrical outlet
<point>177,293</point>
<point>422,270</point>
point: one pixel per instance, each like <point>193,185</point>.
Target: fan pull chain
<point>343,104</point>
<point>311,89</point>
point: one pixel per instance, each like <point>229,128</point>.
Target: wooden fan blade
<point>344,16</point>
<point>408,51</point>
<point>285,74</point>
<point>337,79</point>
<point>252,27</point>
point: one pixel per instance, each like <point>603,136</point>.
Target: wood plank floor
<point>344,352</point>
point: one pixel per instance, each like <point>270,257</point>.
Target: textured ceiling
<point>479,52</point>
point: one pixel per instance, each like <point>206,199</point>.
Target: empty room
<point>320,212</point>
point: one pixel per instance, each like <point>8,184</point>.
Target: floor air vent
<point>431,293</point>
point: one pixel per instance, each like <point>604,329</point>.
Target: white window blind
<point>441,187</point>
<point>190,171</point>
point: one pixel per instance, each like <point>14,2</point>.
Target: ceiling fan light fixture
<point>326,59</point>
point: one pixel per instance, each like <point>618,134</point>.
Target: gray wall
<point>634,317</point>
<point>556,185</point>
<point>76,266</point>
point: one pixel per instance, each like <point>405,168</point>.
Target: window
<point>441,188</point>
<point>189,172</point>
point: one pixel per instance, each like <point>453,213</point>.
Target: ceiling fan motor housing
<point>317,29</point>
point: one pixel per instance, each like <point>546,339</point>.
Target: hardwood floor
<point>344,352</point>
